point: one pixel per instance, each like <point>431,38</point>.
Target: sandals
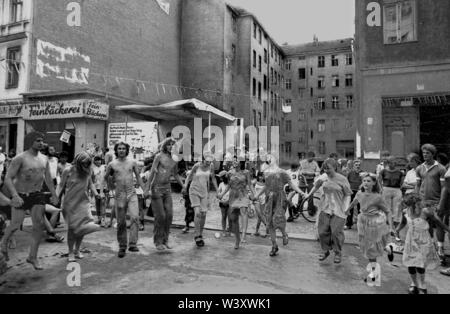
<point>185,230</point>
<point>337,258</point>
<point>274,251</point>
<point>324,256</point>
<point>445,272</point>
<point>199,241</point>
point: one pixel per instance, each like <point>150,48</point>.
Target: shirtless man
<point>159,186</point>
<point>121,170</point>
<point>24,180</point>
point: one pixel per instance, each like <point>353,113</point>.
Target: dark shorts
<point>31,199</point>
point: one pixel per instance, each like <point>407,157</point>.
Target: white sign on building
<point>141,136</point>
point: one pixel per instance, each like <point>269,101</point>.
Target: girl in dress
<point>276,201</point>
<point>75,183</point>
<point>259,205</point>
<point>419,252</point>
<point>239,185</point>
<point>373,230</point>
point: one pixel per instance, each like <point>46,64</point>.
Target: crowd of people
<point>380,203</point>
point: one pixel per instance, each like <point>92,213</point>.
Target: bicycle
<point>302,206</point>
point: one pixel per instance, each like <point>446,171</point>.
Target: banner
<point>141,136</point>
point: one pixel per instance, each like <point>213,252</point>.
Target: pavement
<point>216,268</point>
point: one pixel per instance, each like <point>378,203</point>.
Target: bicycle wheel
<point>310,214</point>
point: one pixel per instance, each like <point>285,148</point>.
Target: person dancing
<point>75,183</point>
<point>275,204</point>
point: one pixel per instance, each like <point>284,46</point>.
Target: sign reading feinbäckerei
<point>66,109</point>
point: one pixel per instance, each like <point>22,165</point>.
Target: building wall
<point>421,67</point>
<point>148,48</point>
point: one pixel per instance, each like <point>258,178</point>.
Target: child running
<point>373,230</point>
<point>419,252</point>
<point>223,203</point>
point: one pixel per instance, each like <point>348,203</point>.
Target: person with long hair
<point>276,201</point>
<point>200,176</point>
<point>76,181</point>
<point>373,231</point>
<point>332,218</point>
<point>239,185</point>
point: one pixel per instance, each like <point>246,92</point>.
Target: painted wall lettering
<point>74,17</point>
<point>374,17</point>
<point>73,279</point>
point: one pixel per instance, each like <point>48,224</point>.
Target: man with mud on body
<point>121,170</point>
<point>24,180</point>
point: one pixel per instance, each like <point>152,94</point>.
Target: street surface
<point>216,268</point>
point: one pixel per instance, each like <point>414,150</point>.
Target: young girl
<point>259,205</point>
<point>223,204</point>
<point>419,252</point>
<point>75,183</point>
<point>373,231</point>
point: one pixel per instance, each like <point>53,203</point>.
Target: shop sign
<point>65,137</point>
<point>11,111</point>
<point>66,109</point>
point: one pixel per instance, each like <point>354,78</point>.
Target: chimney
<point>315,39</point>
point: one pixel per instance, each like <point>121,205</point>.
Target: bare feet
<point>35,264</point>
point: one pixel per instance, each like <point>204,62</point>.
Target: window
<point>254,87</point>
<point>321,62</point>
<point>271,101</point>
<point>13,67</point>
<point>312,134</point>
<point>275,77</point>
<point>232,111</point>
<point>254,30</point>
<point>301,116</point>
<point>271,50</point>
<point>288,84</point>
<point>16,11</point>
<point>259,36</point>
<point>321,103</point>
<point>301,92</point>
<point>312,91</point>
<point>321,82</point>
<point>265,109</point>
<point>259,118</point>
<point>276,56</point>
<point>349,59</point>
<point>400,22</point>
<point>335,81</point>
<point>301,73</point>
<point>334,61</point>
<point>349,101</point>
<point>349,80</point>
<point>288,148</point>
<point>321,126</point>
<point>301,58</point>
<point>259,90</point>
<point>311,71</point>
<point>335,124</point>
<point>288,126</point>
<point>301,138</point>
<point>279,79</point>
<point>254,117</point>
<point>335,102</point>
<point>348,124</point>
<point>254,58</point>
<point>265,55</point>
<point>265,82</point>
<point>259,63</point>
<point>271,75</point>
<point>234,22</point>
<point>288,64</point>
<point>322,149</point>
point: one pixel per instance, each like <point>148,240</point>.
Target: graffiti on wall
<point>62,63</point>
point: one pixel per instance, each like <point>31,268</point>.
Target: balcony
<point>13,31</point>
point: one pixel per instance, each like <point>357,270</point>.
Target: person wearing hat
<point>24,181</point>
<point>223,204</point>
<point>202,173</point>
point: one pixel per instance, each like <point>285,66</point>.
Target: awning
<point>178,110</point>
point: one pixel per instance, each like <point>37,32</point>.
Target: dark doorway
<point>434,127</point>
<point>12,137</point>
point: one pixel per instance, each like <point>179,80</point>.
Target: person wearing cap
<point>24,180</point>
<point>200,176</point>
<point>223,204</point>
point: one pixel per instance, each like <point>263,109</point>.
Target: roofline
<point>249,14</point>
<point>308,51</point>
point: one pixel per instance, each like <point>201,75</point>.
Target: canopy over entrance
<point>178,110</point>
